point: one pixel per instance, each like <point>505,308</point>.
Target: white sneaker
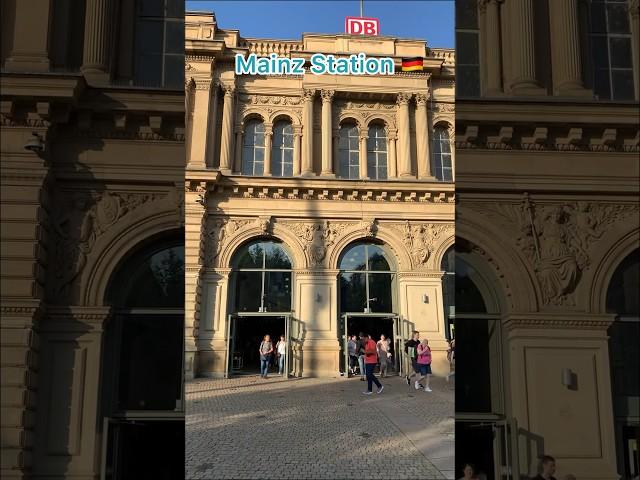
<point>427,389</point>
<point>380,389</point>
<point>417,386</point>
<point>367,393</point>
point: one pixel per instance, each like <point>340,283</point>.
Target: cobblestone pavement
<point>251,428</point>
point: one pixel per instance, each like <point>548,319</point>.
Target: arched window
<point>349,151</point>
<point>263,277</point>
<point>448,289</point>
<point>253,148</point>
<point>622,299</point>
<point>467,49</point>
<point>142,360</point>
<point>442,168</point>
<point>611,55</point>
<point>366,279</point>
<point>377,153</point>
<point>282,150</point>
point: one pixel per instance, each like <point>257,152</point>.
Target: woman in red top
<point>370,362</point>
<point>424,363</point>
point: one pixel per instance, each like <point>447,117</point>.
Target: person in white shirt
<point>383,354</point>
<point>281,353</point>
<point>353,356</point>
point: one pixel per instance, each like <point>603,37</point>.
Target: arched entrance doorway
<point>261,304</point>
<point>624,341</point>
<point>142,371</point>
<point>367,297</point>
<point>480,421</point>
<point>447,265</point>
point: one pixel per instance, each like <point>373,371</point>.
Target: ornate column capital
<point>203,83</point>
<point>297,130</point>
<point>239,128</point>
<point>228,90</point>
<point>421,99</point>
<point>308,94</point>
<point>268,129</point>
<point>327,95</point>
<point>403,98</point>
<point>392,133</point>
<point>634,8</point>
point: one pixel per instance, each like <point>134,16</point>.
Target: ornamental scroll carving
<point>219,231</point>
<point>557,239</point>
<point>422,239</point>
<point>317,238</point>
<point>78,224</point>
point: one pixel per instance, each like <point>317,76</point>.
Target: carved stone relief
<point>422,239</point>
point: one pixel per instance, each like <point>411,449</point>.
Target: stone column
<point>98,42</point>
<point>565,54</point>
<point>30,52</point>
<point>364,174</point>
<point>404,144</point>
<point>268,137</point>
<point>297,136</point>
<point>307,132</point>
<point>212,131</point>
<point>227,132</point>
<point>422,136</point>
<point>237,163</point>
<point>492,46</point>
<point>523,58</point>
<point>327,167</point>
<point>634,21</point>
<point>200,106</point>
<point>392,135</point>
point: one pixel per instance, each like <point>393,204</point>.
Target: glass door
<point>345,343</point>
<point>287,333</point>
<point>231,329</point>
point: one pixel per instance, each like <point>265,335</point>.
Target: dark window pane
<point>598,18</point>
<point>467,48</point>
<point>353,292</point>
<point>620,52</point>
<point>149,37</point>
<point>354,258</point>
<point>175,37</point>
<point>467,14</point>
<point>380,292</point>
<point>288,170</point>
<point>617,14</point>
<point>275,256</point>
<point>600,52</point>
<point>377,257</point>
<point>150,362</point>
<point>601,84</point>
<point>250,256</point>
<point>467,81</point>
<point>277,290</point>
<point>149,70</point>
<point>151,8</point>
<point>473,392</point>
<point>174,71</point>
<point>175,8</point>
<point>248,291</point>
<point>623,84</point>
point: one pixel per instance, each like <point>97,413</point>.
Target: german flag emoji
<point>413,64</point>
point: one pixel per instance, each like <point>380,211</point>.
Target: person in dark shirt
<point>411,349</point>
<point>548,467</point>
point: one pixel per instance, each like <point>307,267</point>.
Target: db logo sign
<point>362,26</point>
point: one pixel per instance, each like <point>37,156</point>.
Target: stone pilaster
<point>336,156</point>
<point>98,41</point>
<point>634,21</point>
<point>198,141</point>
<point>327,167</point>
<point>404,144</point>
<point>268,141</point>
<point>565,54</point>
<point>297,137</point>
<point>30,49</point>
<point>422,136</point>
<point>492,47</point>
<point>523,56</point>
<point>364,174</point>
<point>237,162</point>
<point>227,131</point>
<point>307,133</point>
<point>392,136</point>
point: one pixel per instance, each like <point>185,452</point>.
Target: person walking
<point>547,468</point>
<point>360,351</point>
<point>468,472</point>
<point>281,354</point>
<point>353,357</point>
<point>424,364</point>
<point>265,350</point>
<point>370,360</point>
<point>451,356</point>
<point>383,355</point>
<point>411,349</point>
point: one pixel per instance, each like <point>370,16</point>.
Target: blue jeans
<point>371,378</point>
<point>281,363</point>
<point>361,364</point>
<point>264,365</point>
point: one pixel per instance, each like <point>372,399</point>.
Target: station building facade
<point>92,157</point>
<point>547,237</point>
<point>316,205</point>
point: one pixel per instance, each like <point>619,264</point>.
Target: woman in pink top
<point>424,363</point>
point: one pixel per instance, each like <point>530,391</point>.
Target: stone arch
<point>253,232</point>
<point>516,278</point>
<point>349,117</point>
<point>115,244</point>
<point>253,114</point>
<point>287,115</point>
<point>598,282</point>
<point>384,235</point>
<point>484,279</point>
<point>387,121</point>
<point>440,250</point>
